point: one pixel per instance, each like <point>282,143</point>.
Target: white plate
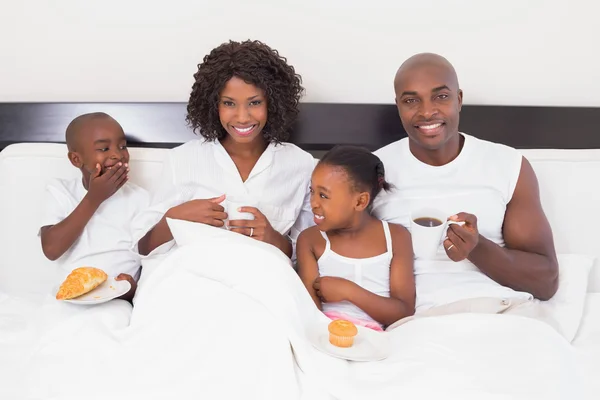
<point>108,290</point>
<point>369,345</point>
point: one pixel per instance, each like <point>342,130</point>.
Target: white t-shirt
<point>480,181</point>
<point>278,186</point>
<point>106,241</point>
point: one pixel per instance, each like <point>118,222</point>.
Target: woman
<point>243,104</point>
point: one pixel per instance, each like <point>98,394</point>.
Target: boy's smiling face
<point>98,141</point>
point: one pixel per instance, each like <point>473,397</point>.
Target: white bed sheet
<point>232,335</point>
<point>244,312</point>
<point>25,320</point>
<point>587,344</point>
<point>17,336</point>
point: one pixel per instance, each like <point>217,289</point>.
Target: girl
<point>354,266</point>
<point>243,104</point>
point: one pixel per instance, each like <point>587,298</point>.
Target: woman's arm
<point>283,244</point>
<point>260,228</point>
<point>205,211</point>
<point>150,226</point>
<point>308,269</point>
<point>157,236</point>
<point>171,199</point>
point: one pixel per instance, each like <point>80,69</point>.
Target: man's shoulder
<point>489,146</point>
<point>391,151</point>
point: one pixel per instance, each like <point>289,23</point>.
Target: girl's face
<point>242,111</point>
<point>333,199</point>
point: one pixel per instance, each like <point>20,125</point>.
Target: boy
<point>87,220</point>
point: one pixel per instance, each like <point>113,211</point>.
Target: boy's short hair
<point>74,128</point>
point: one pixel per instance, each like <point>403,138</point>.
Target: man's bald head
<point>425,61</point>
<point>79,125</point>
<point>429,101</point>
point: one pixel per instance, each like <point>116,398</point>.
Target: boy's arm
<point>57,239</point>
<point>131,293</point>
<point>308,269</point>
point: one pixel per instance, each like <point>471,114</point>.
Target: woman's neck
<point>244,150</point>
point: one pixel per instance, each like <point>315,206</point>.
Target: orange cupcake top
<point>341,327</point>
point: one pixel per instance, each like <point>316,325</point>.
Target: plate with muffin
<point>344,339</point>
<point>88,285</point>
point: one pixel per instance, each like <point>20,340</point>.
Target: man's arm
<point>57,239</point>
<point>528,262</point>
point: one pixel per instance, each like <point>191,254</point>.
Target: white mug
<point>232,206</point>
<point>426,240</point>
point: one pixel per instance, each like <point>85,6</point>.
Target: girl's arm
<point>401,303</point>
<point>304,221</point>
<point>308,269</point>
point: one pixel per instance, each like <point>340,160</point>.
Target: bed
<point>559,142</point>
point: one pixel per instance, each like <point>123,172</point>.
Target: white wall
<point>536,52</point>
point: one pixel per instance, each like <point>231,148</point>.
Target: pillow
<point>566,306</point>
<point>189,233</point>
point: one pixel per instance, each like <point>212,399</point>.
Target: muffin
<point>341,333</point>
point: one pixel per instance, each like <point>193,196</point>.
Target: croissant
<point>80,281</point>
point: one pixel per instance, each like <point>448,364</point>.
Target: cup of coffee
<point>427,228</point>
<point>233,204</point>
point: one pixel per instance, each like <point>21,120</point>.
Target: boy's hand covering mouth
<point>104,185</point>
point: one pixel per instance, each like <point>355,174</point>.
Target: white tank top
<point>480,181</point>
<point>372,274</point>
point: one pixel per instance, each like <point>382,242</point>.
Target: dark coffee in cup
<point>428,221</point>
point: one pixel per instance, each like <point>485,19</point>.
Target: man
<point>502,254</point>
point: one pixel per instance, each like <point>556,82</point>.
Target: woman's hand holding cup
<point>258,228</point>
<point>205,211</point>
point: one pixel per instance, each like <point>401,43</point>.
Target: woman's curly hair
<point>257,64</point>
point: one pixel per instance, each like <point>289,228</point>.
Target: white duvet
<point>225,317</point>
